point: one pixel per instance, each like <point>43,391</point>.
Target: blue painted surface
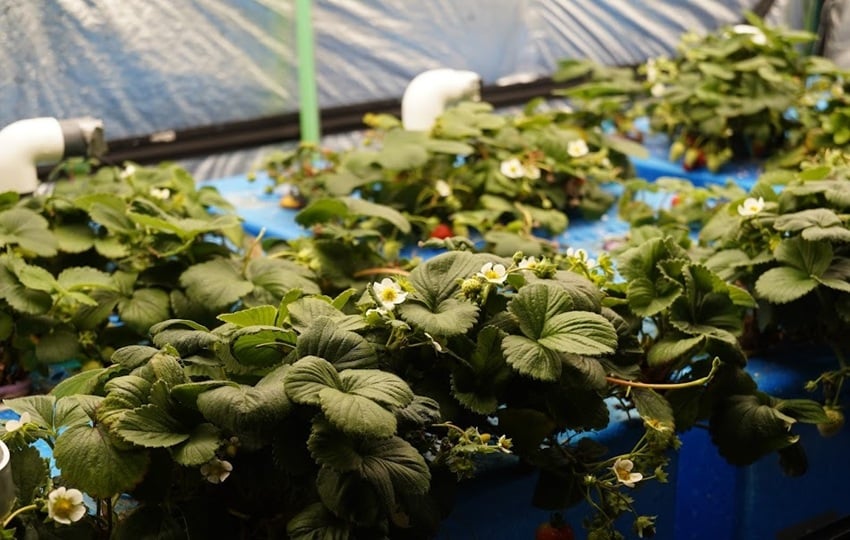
<point>261,211</point>
<point>716,500</point>
<point>258,209</point>
<point>497,504</point>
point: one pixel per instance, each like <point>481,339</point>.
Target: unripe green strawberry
<point>835,423</point>
<point>677,149</point>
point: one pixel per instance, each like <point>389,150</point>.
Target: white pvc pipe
<point>26,144</point>
<point>430,92</point>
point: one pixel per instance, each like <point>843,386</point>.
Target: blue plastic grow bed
<point>496,505</point>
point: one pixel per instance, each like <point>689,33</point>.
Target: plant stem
<point>17,512</point>
<point>667,386</point>
<point>380,271</point>
<point>252,248</point>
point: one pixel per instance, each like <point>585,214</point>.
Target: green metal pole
<point>306,72</point>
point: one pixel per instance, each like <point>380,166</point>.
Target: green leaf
<point>35,277</point>
<point>784,284</point>
<point>84,278</point>
<point>579,332</point>
<point>641,262</point>
<point>815,217</point>
<point>379,386</point>
<point>316,522</point>
<point>30,475</point>
<point>831,234</point>
<point>133,356</point>
<point>261,346</point>
<point>670,349</point>
<point>307,377</point>
<point>403,150</point>
<point>107,210</point>
<point>444,146</point>
<point>124,393</point>
<point>111,247</point>
<point>199,448</point>
<point>477,383</point>
<point>393,466</point>
<point>370,209</point>
<point>342,348</point>
<point>245,409</point>
<point>274,278</point>
<point>333,448</point>
<point>187,394</point>
<point>647,298</point>
<point>439,278</point>
<point>167,368</point>
<point>421,412</point>
<point>746,427</point>
<point>150,427</point>
<point>145,308</point>
<point>91,461</point>
<point>230,285</point>
<point>85,382</point>
<point>40,408</point>
<point>27,229</point>
<point>304,311</point>
<point>255,316</point>
<point>530,358</point>
<point>803,410</point>
<point>449,317</point>
<point>186,341</point>
<point>812,258</point>
<point>74,237</point>
<point>536,304</point>
<point>356,415</point>
<point>343,182</point>
<point>652,405</point>
<point>321,211</point>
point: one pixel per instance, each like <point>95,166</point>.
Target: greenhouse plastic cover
<point>149,66</point>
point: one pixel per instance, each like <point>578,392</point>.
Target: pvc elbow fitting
<point>429,93</point>
<point>26,144</point>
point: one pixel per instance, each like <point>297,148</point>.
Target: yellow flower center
<point>491,274</point>
<point>389,295</point>
<point>62,508</point>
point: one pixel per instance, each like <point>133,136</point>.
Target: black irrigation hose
<point>177,144</point>
<point>231,136</point>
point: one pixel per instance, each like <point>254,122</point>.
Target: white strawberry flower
<point>160,193</point>
<point>756,35</point>
<point>657,90</point>
<point>512,168</point>
<point>216,471</point>
<point>15,425</point>
<point>65,506</point>
<point>494,273</point>
<point>389,293</point>
<point>577,148</point>
<point>751,206</point>
<point>443,188</point>
<point>531,172</point>
<point>528,263</point>
<point>623,470</point>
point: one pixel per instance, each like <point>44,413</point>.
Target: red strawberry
<point>694,159</point>
<point>441,231</point>
<point>554,529</point>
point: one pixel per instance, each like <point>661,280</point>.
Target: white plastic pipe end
<point>429,93</point>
